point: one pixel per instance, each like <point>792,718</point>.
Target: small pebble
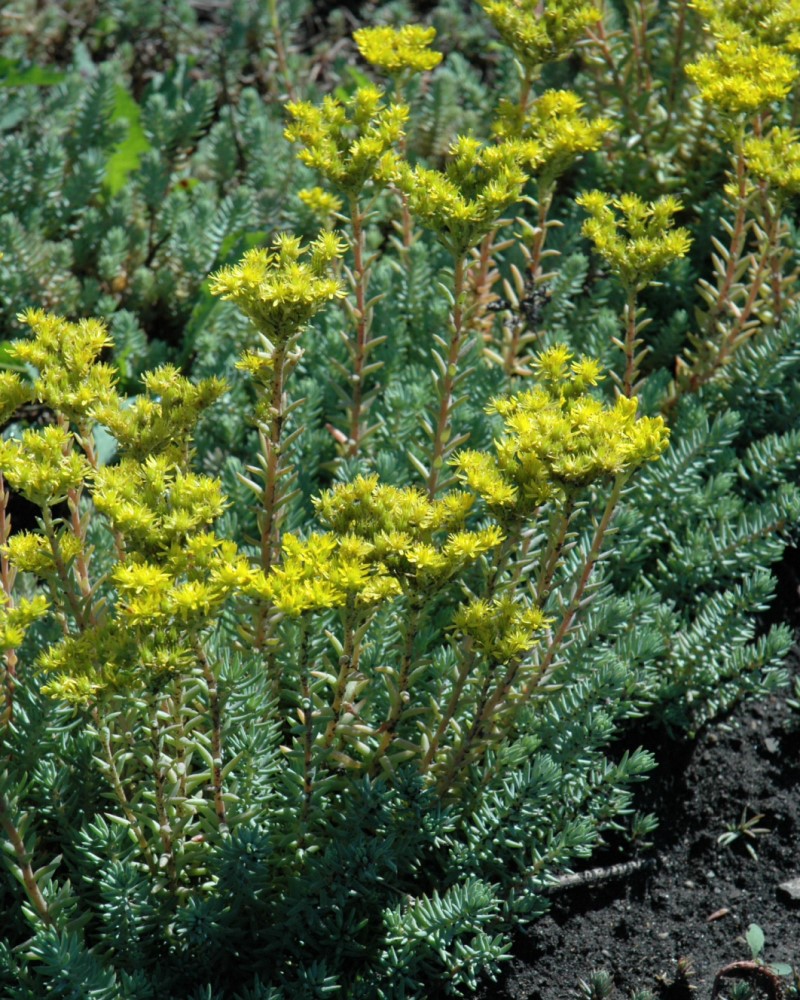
<point>790,891</point>
<point>689,884</point>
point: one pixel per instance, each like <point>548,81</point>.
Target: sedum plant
<point>635,244</point>
<point>461,205</point>
<point>406,641</point>
<point>297,702</point>
<point>351,145</point>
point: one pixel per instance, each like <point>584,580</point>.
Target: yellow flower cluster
<point>173,574</point>
<point>398,51</point>
<point>154,505</point>
<point>174,581</point>
<point>280,289</point>
<point>558,438</point>
<point>325,571</point>
<point>70,379</point>
<point>83,665</point>
<point>16,620</point>
<point>636,239</point>
<point>557,128</point>
<point>321,203</point>
<point>29,552</point>
<point>775,158</point>
<point>501,629</point>
<point>349,142</point>
<point>383,541</point>
<point>464,201</point>
<point>13,393</point>
<point>771,22</point>
<point>419,541</point>
<point>108,656</point>
<point>190,583</point>
<point>742,76</point>
<point>42,466</point>
<point>160,420</point>
<point>540,32</point>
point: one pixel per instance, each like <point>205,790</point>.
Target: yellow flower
<point>775,158</point>
<point>501,629</point>
<point>397,51</point>
<point>636,239</point>
<point>349,142</point>
<point>282,288</point>
<point>70,377</point>
<point>464,201</point>
<point>742,76</point>
<point>771,22</point>
<point>42,465</point>
<point>558,438</point>
<point>321,203</point>
<point>556,129</point>
<point>540,32</point>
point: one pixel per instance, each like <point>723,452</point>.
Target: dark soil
<point>697,899</point>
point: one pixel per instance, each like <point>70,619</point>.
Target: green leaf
<point>13,73</point>
<point>105,445</point>
<point>357,79</point>
<point>127,155</point>
<point>755,940</point>
<point>235,244</point>
<point>8,361</point>
<point>781,968</point>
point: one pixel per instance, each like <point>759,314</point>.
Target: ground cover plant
<point>390,423</point>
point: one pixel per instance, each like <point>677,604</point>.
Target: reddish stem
<point>447,383</point>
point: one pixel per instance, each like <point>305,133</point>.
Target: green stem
<point>525,91</point>
<point>7,575</point>
<point>347,664</point>
<point>180,742</point>
<point>676,71</point>
<point>308,724</point>
<point>67,589</point>
<point>542,671</point>
<point>361,279</point>
<point>445,783</point>
<point>556,537</point>
<point>620,88</point>
<point>269,515</point>
<point>406,225</point>
<point>447,382</point>
<point>86,441</point>
<point>104,735</point>
<point>535,270</point>
<point>464,671</point>
<point>159,780</point>
<point>280,48</point>
<point>270,540</point>
<point>216,731</point>
<point>389,727</point>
